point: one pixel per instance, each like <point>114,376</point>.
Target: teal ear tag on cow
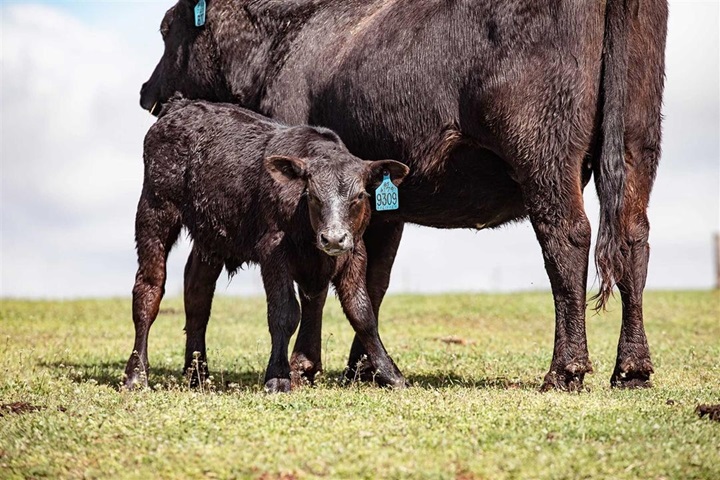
<point>200,13</point>
<point>386,195</point>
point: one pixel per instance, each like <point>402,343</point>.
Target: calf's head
<point>338,192</point>
<point>190,63</point>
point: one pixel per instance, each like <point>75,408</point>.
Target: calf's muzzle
<point>335,241</point>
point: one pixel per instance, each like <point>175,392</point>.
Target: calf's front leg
<point>381,240</point>
<point>355,301</point>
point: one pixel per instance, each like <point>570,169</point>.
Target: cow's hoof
<point>569,379</point>
<point>632,374</point>
<point>563,382</point>
<point>302,369</point>
<point>277,385</point>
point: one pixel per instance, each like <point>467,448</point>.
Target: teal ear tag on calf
<point>386,195</point>
<point>200,13</point>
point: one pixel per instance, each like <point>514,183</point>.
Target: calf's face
<point>338,193</point>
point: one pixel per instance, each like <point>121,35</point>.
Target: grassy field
<point>473,412</point>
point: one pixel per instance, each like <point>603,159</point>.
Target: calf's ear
<point>379,168</point>
<point>285,169</point>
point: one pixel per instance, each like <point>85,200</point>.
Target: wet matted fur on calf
<point>291,199</point>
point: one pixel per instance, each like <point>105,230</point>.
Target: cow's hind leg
<point>382,240</point>
<point>633,366</point>
<point>156,229</point>
<point>556,211</point>
<point>646,50</point>
<point>200,278</point>
<point>306,361</point>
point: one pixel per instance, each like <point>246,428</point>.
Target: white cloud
<point>70,176</point>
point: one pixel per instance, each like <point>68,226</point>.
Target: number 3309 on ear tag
<point>386,195</point>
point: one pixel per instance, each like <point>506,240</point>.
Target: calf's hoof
<point>358,373</point>
<point>632,373</point>
<point>568,379</point>
<point>134,380</point>
<point>396,381</point>
<point>303,369</point>
<point>385,376</point>
<point>360,370</point>
<point>277,385</point>
<point>135,375</point>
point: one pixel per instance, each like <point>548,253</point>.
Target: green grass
<point>474,410</point>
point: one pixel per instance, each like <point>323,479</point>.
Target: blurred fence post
<point>717,260</point>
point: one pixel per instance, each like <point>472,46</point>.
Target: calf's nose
<point>335,241</point>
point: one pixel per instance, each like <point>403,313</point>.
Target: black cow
<point>248,189</point>
<point>503,109</point>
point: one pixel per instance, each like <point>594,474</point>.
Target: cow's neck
<point>254,44</point>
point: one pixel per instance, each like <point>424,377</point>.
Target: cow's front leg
<point>305,361</point>
<point>382,240</point>
<point>355,301</point>
<point>563,231</point>
<point>200,279</point>
<point>283,314</point>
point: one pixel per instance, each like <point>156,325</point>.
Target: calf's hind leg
<point>156,229</point>
<point>200,278</point>
<point>306,357</point>
<point>283,314</point>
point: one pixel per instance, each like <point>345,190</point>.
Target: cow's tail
<point>175,102</point>
<point>609,167</point>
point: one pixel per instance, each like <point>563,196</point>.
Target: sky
<point>72,133</point>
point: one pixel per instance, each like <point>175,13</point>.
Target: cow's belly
<point>475,190</point>
<point>472,189</point>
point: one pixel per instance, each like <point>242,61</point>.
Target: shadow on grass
<point>109,373</point>
<point>448,379</point>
